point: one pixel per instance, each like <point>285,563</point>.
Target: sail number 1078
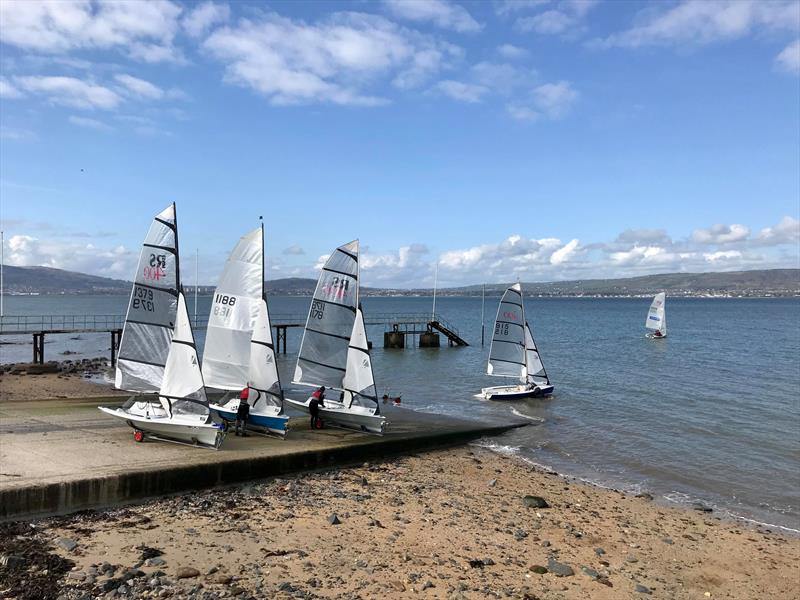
<point>223,304</point>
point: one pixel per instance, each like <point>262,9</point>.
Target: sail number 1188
<point>223,304</point>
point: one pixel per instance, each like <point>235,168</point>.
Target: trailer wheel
<point>138,435</point>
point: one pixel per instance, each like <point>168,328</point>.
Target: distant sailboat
<point>657,317</point>
<point>157,350</point>
<point>513,352</point>
<point>334,352</point>
<point>239,351</point>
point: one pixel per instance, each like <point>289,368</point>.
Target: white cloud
<point>294,250</point>
<point>89,123</point>
<point>704,22</point>
<point>512,52</point>
<point>7,90</point>
<point>463,92</point>
<point>14,134</point>
<point>291,61</point>
<point>551,100</point>
<point>789,58</point>
<point>204,16</point>
<point>566,18</point>
<point>646,236</point>
<point>140,87</point>
<point>506,7</point>
<point>785,232</point>
<point>721,234</point>
<point>69,91</point>
<point>722,256</point>
<point>563,254</point>
<point>444,14</point>
<point>28,251</point>
<point>137,28</point>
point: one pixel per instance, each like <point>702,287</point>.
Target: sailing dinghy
<point>157,351</point>
<point>335,353</point>
<point>239,352</point>
<point>657,318</point>
<point>513,353</point>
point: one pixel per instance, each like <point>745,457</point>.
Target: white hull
<point>354,417</point>
<point>653,336</point>
<point>514,392</point>
<point>177,430</point>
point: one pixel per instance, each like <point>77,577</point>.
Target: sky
<point>539,140</point>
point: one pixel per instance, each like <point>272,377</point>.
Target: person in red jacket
<point>243,412</point>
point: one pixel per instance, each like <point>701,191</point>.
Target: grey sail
<point>153,304</point>
<point>507,353</point>
<point>535,368</point>
<point>322,359</point>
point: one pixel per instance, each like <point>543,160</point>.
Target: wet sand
<point>53,385</point>
<point>446,524</point>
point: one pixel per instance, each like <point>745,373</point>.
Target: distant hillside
<point>770,281</point>
<point>776,282</point>
<point>44,280</point>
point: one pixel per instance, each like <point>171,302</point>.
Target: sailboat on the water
<point>513,352</point>
<point>239,351</point>
<point>157,354</point>
<point>334,352</point>
<point>657,318</point>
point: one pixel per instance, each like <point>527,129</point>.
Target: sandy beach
<point>448,524</point>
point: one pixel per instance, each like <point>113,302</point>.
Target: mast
<point>483,305</point>
<point>435,281</point>
<point>2,262</point>
<point>196,283</point>
<point>177,252</point>
<point>263,258</point>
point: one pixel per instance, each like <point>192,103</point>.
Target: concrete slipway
<point>60,456</point>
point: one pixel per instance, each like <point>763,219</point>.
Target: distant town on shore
<point>755,283</point>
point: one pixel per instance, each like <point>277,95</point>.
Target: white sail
<point>263,381</point>
<point>534,367</point>
<point>656,317</point>
<point>322,359</point>
<point>507,351</point>
<point>152,307</point>
<point>226,354</point>
<point>182,390</point>
<point>359,381</point>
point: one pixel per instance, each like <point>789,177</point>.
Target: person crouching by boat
<point>317,399</point>
<point>243,412</point>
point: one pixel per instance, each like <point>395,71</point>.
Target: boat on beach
<point>657,318</point>
<point>513,353</point>
<point>157,357</point>
<point>239,352</point>
<point>334,351</point>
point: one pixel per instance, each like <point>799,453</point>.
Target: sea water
<point>709,414</point>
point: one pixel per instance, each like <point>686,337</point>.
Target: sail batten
<point>152,309</point>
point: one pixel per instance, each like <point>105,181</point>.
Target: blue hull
<point>273,424</point>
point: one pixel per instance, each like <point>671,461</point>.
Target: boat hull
<point>258,422</point>
<point>209,435</point>
<point>516,392</point>
<point>653,336</point>
<point>343,417</point>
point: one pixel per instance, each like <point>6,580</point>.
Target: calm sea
<point>711,414</point>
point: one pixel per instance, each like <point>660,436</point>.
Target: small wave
<point>764,524</point>
<point>524,416</point>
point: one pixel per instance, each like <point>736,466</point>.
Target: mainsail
<point>359,381</point>
<point>322,359</point>
<point>507,357</point>
<point>226,355</point>
<point>533,363</point>
<point>152,308</point>
<point>656,317</point>
<point>263,380</point>
<point>182,391</point>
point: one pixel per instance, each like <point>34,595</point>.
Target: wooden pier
<point>424,325</point>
